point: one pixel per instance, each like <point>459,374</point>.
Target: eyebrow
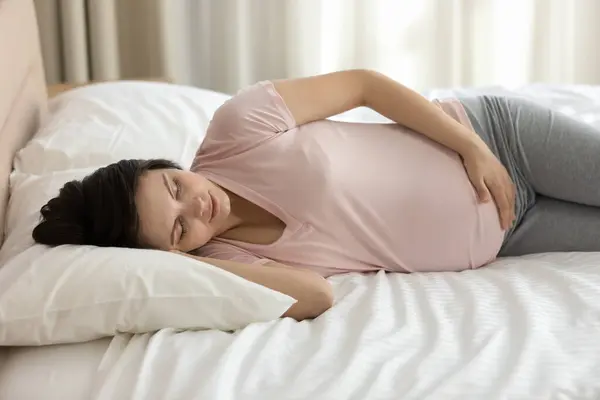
<point>168,187</point>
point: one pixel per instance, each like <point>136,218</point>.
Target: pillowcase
<point>73,294</point>
<point>99,124</point>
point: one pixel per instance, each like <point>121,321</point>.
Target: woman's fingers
<point>511,194</point>
<point>483,193</point>
<point>492,181</point>
<point>501,195</point>
<point>513,199</point>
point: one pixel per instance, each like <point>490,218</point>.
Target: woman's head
<point>135,203</point>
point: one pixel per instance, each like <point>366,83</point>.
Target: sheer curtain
<point>226,44</point>
<point>85,40</point>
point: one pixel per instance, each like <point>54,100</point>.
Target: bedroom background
<point>226,44</point>
<point>80,323</point>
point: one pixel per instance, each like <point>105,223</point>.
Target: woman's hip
<point>492,118</point>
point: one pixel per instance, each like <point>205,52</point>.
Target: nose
<point>197,208</point>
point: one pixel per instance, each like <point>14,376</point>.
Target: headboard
<point>23,95</point>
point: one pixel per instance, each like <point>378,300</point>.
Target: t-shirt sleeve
<point>455,109</point>
<point>225,251</point>
<point>253,115</point>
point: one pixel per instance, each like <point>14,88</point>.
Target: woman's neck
<point>242,213</point>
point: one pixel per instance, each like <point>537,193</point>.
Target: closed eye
<point>183,229</point>
<point>175,194</point>
<point>180,220</point>
<point>177,188</point>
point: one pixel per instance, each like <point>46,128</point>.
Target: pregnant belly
<point>448,237</point>
<point>408,206</point>
<point>442,226</point>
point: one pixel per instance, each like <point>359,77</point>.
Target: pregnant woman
<point>283,197</point>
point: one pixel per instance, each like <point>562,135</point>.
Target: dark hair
<point>98,210</point>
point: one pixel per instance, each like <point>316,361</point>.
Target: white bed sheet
<point>521,328</point>
<point>50,372</point>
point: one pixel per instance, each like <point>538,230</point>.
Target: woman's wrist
<point>472,146</point>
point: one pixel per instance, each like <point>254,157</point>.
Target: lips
<point>214,206</point>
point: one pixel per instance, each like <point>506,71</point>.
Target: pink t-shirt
<point>354,196</point>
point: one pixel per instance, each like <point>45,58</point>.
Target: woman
<point>282,197</point>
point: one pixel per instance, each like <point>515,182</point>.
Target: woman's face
<point>179,210</point>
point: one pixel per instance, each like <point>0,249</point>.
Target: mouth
<point>214,206</point>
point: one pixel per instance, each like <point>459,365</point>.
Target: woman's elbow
<point>324,298</point>
<point>314,303</point>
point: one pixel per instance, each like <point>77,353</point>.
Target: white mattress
<point>526,328</point>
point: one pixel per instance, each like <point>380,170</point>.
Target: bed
<point>522,328</point>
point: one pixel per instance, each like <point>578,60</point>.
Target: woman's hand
<point>492,182</point>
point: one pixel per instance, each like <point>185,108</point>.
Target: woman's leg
<point>555,225</point>
<point>558,155</point>
<point>551,155</point>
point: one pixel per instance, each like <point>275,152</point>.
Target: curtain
<point>227,44</point>
<point>87,40</point>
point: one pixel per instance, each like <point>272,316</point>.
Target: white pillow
<point>78,293</point>
<point>99,124</point>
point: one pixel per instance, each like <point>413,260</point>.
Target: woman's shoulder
<point>251,117</point>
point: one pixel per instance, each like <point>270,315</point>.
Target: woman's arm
<point>312,292</point>
<point>322,96</point>
<point>319,97</point>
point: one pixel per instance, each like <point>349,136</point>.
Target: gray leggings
<point>554,161</point>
